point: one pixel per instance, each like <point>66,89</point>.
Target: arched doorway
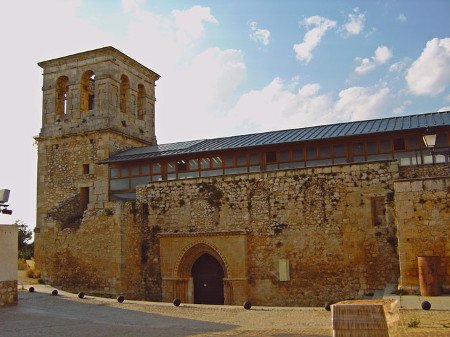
<point>208,274</point>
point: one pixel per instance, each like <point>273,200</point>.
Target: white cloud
<point>401,18</point>
<point>190,22</point>
<point>381,56</point>
<point>281,106</point>
<point>132,5</point>
<point>278,106</point>
<point>312,38</point>
<point>430,73</point>
<point>359,103</point>
<point>355,23</point>
<point>444,108</point>
<point>259,35</point>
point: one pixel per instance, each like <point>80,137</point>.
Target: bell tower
<point>95,103</point>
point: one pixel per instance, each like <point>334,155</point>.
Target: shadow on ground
<point>40,314</point>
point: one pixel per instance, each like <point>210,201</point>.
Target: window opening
<point>284,155</point>
<point>399,144</point>
<point>271,157</point>
<point>124,93</point>
<point>141,101</point>
<point>85,168</point>
<point>62,89</point>
<point>181,166</point>
<point>88,91</point>
<point>193,165</point>
<point>311,153</point>
<point>205,163</point>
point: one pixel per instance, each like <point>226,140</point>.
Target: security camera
<point>4,196</point>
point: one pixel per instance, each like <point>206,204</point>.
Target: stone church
<point>285,218</point>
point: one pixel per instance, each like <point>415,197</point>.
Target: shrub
<point>33,273</point>
<point>414,323</point>
<point>21,264</point>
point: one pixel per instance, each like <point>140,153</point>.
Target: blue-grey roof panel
<point>286,136</point>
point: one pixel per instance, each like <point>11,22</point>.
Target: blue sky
<point>229,67</point>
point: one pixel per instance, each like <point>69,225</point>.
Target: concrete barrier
<point>365,318</point>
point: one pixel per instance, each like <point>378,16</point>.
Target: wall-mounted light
<point>430,141</point>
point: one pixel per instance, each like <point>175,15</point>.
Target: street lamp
<point>430,143</point>
<point>4,197</point>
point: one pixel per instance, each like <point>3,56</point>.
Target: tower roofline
<point>109,51</point>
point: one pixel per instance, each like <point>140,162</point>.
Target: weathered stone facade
<point>8,293</point>
<point>423,217</point>
<point>73,205</point>
<point>301,236</point>
<point>321,219</point>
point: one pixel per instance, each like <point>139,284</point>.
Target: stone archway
<point>180,251</point>
<point>207,275</point>
<point>204,270</point>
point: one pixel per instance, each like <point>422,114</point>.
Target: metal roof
<point>321,132</point>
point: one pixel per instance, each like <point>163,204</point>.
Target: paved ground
<point>40,314</point>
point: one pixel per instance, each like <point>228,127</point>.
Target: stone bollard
<point>365,318</point>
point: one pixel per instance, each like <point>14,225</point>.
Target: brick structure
<point>295,217</point>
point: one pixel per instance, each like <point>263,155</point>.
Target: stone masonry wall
<point>8,293</point>
<point>333,224</point>
<point>68,248</point>
<point>430,170</point>
<point>423,218</point>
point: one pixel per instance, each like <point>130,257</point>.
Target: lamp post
<point>4,197</point>
<point>430,143</point>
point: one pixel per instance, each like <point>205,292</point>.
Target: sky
<point>228,67</point>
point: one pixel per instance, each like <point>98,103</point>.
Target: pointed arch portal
<point>204,268</point>
<point>207,275</point>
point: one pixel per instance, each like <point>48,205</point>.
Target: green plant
<point>41,281</point>
<point>414,323</point>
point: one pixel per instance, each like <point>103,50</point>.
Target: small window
<point>115,173</point>
<point>171,167</point>
<point>241,159</point>
<point>371,148</point>
<point>385,146</point>
<point>145,170</point>
<point>216,162</point>
<point>413,143</point>
<point>156,168</point>
<point>124,93</point>
<point>339,150</point>
<point>181,166</point>
<point>399,144</point>
<point>62,88</point>
<point>254,159</point>
<point>87,91</point>
<point>229,160</point>
<point>271,157</point>
<point>297,154</point>
<point>141,101</point>
<point>193,164</point>
<point>124,172</point>
<point>205,163</point>
<point>85,168</point>
<point>325,152</point>
<point>284,155</point>
<point>135,171</point>
<point>311,153</point>
<point>358,149</point>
